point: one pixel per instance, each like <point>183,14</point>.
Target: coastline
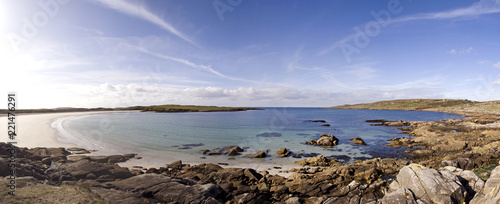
<point>455,152</point>
<point>34,129</point>
<point>41,134</point>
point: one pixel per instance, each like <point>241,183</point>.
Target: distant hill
<point>155,108</point>
<point>186,108</point>
<point>442,105</point>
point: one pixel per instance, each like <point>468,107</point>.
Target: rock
<point>326,125</point>
<point>402,195</point>
<point>258,155</point>
<point>109,159</point>
<point>472,182</point>
<point>252,174</point>
<point>80,169</point>
<point>376,121</point>
<point>358,141</point>
<point>314,200</point>
<point>215,153</point>
<point>491,191</point>
<point>169,190</point>
<point>293,200</point>
<point>317,121</point>
<point>234,151</point>
<point>430,186</point>
<point>77,150</point>
<point>282,151</point>
<point>175,165</point>
<point>325,140</point>
<point>319,160</point>
<point>205,151</point>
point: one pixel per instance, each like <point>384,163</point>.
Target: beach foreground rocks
<point>90,179</point>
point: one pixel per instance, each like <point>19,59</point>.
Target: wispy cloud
<point>462,51</point>
<point>143,13</point>
<point>497,65</point>
<point>294,62</point>
<point>191,64</point>
<point>479,8</point>
<point>497,82</point>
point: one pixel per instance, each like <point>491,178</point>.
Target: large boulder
<point>491,191</point>
<point>468,178</point>
<point>168,189</point>
<point>325,140</point>
<point>402,195</point>
<point>430,186</point>
<point>258,155</point>
<point>85,169</point>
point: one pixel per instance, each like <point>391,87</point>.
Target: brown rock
<point>358,141</point>
<point>175,165</point>
<point>258,155</point>
<point>319,160</point>
<point>282,151</point>
<point>325,140</point>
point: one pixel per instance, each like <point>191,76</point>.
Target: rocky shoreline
<point>452,161</point>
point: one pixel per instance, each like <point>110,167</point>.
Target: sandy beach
<point>34,130</point>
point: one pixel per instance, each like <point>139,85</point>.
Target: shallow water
<point>166,137</point>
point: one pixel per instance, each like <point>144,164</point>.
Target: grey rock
<point>491,191</point>
<point>430,186</point>
<point>473,182</point>
<point>402,195</point>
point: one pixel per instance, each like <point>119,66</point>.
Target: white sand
<point>33,130</point>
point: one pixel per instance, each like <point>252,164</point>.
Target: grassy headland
<point>463,107</point>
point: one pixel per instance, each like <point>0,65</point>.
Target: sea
<point>167,137</point>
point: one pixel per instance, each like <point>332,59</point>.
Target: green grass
<point>189,108</point>
<point>49,194</point>
<point>409,104</point>
<point>440,105</point>
<point>487,168</point>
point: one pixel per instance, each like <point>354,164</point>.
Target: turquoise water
<point>171,136</point>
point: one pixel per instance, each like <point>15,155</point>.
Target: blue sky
<point>109,53</point>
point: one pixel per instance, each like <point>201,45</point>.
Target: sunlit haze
<point>115,53</point>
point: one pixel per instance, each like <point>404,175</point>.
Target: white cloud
<point>497,65</point>
<point>462,51</point>
<point>479,8</point>
<point>108,95</point>
<point>142,12</point>
<point>453,51</point>
<point>482,62</point>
